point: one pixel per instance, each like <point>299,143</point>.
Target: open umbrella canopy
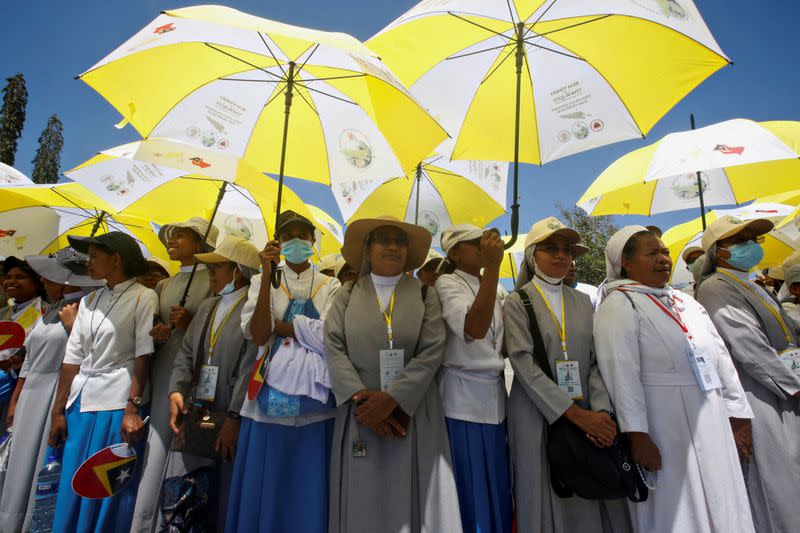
<point>12,176</point>
<point>36,219</point>
<point>436,195</point>
<point>461,58</point>
<point>778,245</point>
<point>330,233</point>
<point>166,181</point>
<point>512,260</point>
<point>738,161</point>
<point>220,79</point>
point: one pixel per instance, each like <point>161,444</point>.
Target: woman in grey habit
<point>762,341</point>
<point>182,240</point>
<point>564,316</point>
<point>215,335</point>
<point>390,464</point>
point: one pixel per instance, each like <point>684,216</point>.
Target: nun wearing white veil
<point>675,392</point>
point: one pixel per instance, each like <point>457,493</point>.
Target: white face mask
<point>549,279</point>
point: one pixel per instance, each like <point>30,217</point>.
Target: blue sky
<point>51,41</point>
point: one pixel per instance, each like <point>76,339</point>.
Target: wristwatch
<point>136,401</point>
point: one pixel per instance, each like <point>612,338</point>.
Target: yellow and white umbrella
<point>737,161</point>
<point>311,104</point>
<point>166,181</point>
<point>536,80</point>
<point>331,233</point>
<point>778,245</point>
<point>36,219</point>
<point>437,195</point>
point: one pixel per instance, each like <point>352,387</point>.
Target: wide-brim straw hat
<point>419,240</point>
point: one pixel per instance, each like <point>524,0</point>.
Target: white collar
<point>744,276</point>
<point>226,298</point>
<point>289,273</point>
<point>188,268</point>
<point>469,278</point>
<point>386,281</point>
<point>547,287</point>
<point>119,287</point>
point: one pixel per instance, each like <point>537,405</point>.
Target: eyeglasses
<point>553,249</point>
<point>388,240</point>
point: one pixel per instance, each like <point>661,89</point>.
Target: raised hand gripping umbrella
<point>214,77</point>
<point>535,80</point>
<point>436,195</point>
<point>733,161</point>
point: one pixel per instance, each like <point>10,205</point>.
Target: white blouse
<point>470,380</point>
<point>111,329</point>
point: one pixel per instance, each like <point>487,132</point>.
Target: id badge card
<point>207,386</point>
<point>568,374</point>
<point>392,363</point>
<point>791,358</point>
<point>704,369</point>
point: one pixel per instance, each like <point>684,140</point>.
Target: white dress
<point>642,354</point>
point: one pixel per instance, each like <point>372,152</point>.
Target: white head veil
<point>614,249</point>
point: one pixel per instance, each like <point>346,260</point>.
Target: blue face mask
<point>746,255</point>
<point>229,288</point>
<point>297,251</point>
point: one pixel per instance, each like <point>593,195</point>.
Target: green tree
<point>47,162</point>
<point>12,117</point>
<point>594,232</point>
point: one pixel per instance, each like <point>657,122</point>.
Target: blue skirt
<point>88,433</point>
<point>280,478</point>
<point>483,475</point>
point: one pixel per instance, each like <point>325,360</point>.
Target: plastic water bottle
<point>46,492</point>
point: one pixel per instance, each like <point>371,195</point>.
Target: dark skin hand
<point>599,427</point>
<point>645,452</point>
<point>743,436</point>
<point>227,440</point>
<point>379,411</point>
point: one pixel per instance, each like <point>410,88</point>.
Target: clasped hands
<point>380,412</point>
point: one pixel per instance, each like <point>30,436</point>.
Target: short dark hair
<point>632,246</point>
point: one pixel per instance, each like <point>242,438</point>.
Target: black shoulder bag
<point>578,467</point>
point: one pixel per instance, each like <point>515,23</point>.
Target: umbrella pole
<point>513,270</point>
<point>700,186</point>
<point>220,195</point>
<point>275,277</point>
<point>97,223</point>
<point>520,59</point>
<point>419,178</point>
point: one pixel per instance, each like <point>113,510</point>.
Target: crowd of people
<point>371,393</point>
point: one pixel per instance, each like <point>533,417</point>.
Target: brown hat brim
<point>419,240</point>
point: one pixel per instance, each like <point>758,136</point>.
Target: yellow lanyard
<point>214,337</point>
<point>388,318</point>
<point>771,309</point>
<point>562,326</point>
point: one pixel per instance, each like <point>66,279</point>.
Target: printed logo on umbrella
<point>166,28</point>
<point>7,232</point>
<point>729,150</point>
<point>105,473</point>
<point>198,162</point>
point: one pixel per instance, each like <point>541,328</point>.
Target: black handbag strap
<point>539,351</point>
<point>198,358</point>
